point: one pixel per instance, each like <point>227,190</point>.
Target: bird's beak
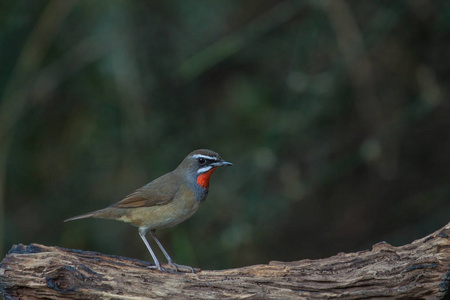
<point>223,163</point>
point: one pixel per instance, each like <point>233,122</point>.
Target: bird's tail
<point>83,216</point>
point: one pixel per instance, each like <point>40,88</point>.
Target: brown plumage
<point>167,200</point>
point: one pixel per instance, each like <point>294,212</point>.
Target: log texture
<point>419,270</point>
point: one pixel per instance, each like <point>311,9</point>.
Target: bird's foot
<point>159,268</point>
<point>178,267</point>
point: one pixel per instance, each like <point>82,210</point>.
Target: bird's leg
<point>169,259</point>
<point>142,233</point>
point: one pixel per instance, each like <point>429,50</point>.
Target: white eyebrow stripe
<point>204,156</point>
<point>204,169</point>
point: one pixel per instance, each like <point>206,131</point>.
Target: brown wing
<point>158,192</point>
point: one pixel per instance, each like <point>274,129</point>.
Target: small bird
<point>165,201</point>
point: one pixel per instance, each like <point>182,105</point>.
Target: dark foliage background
<point>334,113</point>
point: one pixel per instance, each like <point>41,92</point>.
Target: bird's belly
<point>162,216</point>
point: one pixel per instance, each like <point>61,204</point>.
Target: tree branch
<point>417,270</point>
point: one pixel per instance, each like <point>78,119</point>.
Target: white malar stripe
<point>204,156</point>
<point>204,169</point>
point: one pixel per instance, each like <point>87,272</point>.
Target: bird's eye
<point>201,160</point>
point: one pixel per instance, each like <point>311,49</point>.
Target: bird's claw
<point>178,267</point>
<point>159,268</point>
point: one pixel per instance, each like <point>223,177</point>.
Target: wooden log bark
<point>420,270</point>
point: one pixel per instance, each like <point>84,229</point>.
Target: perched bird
<point>166,201</point>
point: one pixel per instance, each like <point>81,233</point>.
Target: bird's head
<point>200,164</point>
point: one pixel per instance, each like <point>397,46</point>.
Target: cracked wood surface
<point>420,270</point>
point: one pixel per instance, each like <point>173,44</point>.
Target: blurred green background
<point>334,113</point>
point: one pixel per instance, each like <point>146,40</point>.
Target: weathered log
<point>420,270</point>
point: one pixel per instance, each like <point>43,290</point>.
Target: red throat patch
<point>203,179</point>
